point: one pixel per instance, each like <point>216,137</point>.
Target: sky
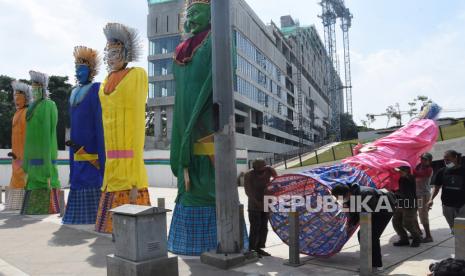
<point>399,49</point>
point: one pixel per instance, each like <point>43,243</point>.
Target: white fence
<point>156,162</point>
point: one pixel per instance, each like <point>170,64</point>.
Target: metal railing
<point>345,150</point>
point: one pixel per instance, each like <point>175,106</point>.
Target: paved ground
<point>40,245</point>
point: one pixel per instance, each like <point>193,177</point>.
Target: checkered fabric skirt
<point>41,202</point>
<point>15,199</point>
<point>192,230</point>
<point>110,200</point>
<point>82,206</point>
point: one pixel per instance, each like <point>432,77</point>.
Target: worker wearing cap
<point>255,182</point>
<point>423,173</point>
<point>405,214</point>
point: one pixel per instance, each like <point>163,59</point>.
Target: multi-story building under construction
<point>280,79</point>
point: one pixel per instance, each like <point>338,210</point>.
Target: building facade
<point>280,79</point>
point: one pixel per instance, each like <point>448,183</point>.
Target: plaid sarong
<point>192,230</point>
<point>82,206</point>
<point>15,199</point>
<point>41,202</point>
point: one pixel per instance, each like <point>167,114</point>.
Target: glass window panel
<point>164,88</point>
<point>164,45</point>
<point>161,67</point>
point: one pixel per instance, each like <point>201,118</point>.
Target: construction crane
<point>331,11</point>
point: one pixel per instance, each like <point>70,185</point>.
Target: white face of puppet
<point>115,56</point>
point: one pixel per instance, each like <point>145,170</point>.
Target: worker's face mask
<point>449,165</point>
<point>449,161</point>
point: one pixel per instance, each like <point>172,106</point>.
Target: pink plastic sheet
<point>401,148</point>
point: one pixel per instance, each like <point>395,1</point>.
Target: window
<point>164,88</point>
<point>261,79</point>
<point>161,67</point>
<point>164,45</point>
<point>151,90</point>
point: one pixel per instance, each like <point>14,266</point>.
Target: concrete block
<point>227,261</point>
<point>140,232</point>
<point>165,266</point>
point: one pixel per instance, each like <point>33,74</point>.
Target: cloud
<point>434,68</point>
<point>41,35</point>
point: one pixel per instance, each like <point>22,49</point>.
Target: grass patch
<point>344,149</point>
<point>341,151</point>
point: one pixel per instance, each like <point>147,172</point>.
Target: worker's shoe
<point>263,253</point>
<point>415,243</point>
<point>255,251</point>
<point>427,240</point>
<point>402,242</point>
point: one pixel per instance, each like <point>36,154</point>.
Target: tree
<point>393,111</point>
<point>348,127</point>
<point>60,91</point>
<point>149,123</point>
<point>7,110</point>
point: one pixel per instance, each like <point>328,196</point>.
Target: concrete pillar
<point>294,249</point>
<point>365,244</point>
<point>227,197</point>
<point>459,234</point>
<point>228,252</point>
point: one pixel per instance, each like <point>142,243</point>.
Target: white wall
<point>158,169</point>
